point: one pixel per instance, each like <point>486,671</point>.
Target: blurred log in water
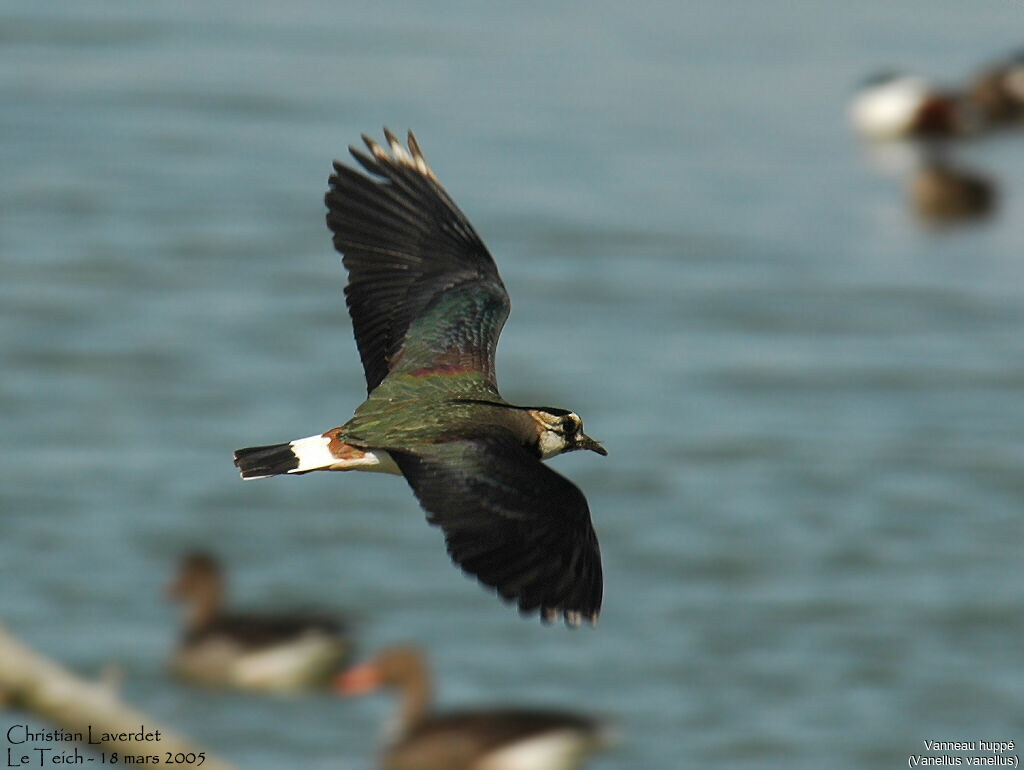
<point>32,683</point>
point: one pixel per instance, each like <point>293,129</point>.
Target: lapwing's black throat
<point>427,306</point>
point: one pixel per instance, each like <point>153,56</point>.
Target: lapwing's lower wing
<point>423,291</point>
<point>511,521</point>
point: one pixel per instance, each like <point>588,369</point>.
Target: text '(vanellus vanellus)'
<point>427,306</point>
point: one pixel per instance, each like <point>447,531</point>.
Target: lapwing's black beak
<point>586,442</point>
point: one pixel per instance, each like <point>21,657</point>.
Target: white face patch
<point>551,443</point>
<point>552,439</point>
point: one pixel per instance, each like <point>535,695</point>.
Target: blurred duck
<point>942,193</point>
<point>495,739</point>
<point>998,92</point>
<point>893,105</point>
<point>270,653</point>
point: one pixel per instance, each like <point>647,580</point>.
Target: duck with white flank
<point>495,739</point>
<point>427,307</point>
<point>892,105</point>
<point>270,653</point>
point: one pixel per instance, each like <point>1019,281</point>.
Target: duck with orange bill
<point>503,738</point>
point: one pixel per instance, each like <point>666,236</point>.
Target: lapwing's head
<point>561,431</point>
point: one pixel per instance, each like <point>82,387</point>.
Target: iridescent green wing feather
<point>424,294</point>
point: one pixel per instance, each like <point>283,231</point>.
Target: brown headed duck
<point>272,653</point>
<point>493,739</point>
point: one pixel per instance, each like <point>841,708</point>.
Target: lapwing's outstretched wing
<point>423,291</point>
<point>511,521</point>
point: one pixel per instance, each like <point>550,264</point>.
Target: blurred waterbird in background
<point>942,192</point>
<point>427,306</point>
<point>501,738</point>
<point>893,107</point>
<point>260,652</point>
<point>998,91</point>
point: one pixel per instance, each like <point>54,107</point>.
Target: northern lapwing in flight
<point>427,306</point>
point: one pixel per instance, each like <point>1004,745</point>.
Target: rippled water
<point>811,515</point>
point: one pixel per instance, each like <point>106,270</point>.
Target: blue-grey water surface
<point>811,514</point>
